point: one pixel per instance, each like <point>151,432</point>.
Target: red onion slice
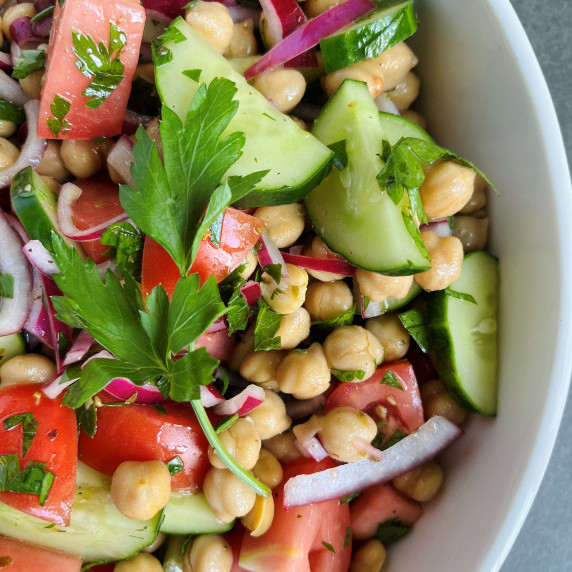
<point>372,310</point>
<point>269,253</point>
<point>40,258</point>
<point>210,396</point>
<point>132,120</point>
<point>312,448</point>
<point>11,91</point>
<point>218,325</point>
<point>38,322</point>
<point>5,61</point>
<point>251,292</point>
<point>53,388</point>
<point>14,311</point>
<point>121,158</point>
<point>412,451</point>
<point>69,193</point>
<point>247,400</point>
<point>23,32</point>
<point>309,34</point>
<point>332,265</point>
<point>122,388</point>
<point>441,228</point>
<point>79,348</point>
<point>33,149</point>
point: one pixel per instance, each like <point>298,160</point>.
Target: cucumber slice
<point>348,209</point>
<point>36,207</point>
<point>464,335</point>
<point>97,531</point>
<point>393,22</point>
<point>297,161</point>
<point>10,346</point>
<point>191,514</point>
<point>173,561</point>
<point>395,127</point>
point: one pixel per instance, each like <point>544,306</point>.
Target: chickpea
<point>421,484</point>
<point>242,441</point>
<point>436,401</point>
<point>260,367</point>
<point>304,374</point>
<point>81,158</point>
<point>270,418</point>
<point>141,489</point>
<point>283,447</point>
<point>391,334</point>
<point>156,544</point>
<point>143,562</point>
<point>24,10</point>
<point>369,557</point>
<point>353,348</point>
<point>478,199</point>
<point>290,294</point>
<point>405,92</point>
<point>394,64</point>
<point>314,8</point>
<point>362,71</point>
<point>227,495</point>
<point>378,287</point>
<point>259,519</point>
<point>328,300</point>
<point>300,123</point>
<point>208,553</point>
<point>284,88</point>
<point>28,368</point>
<point>471,231</point>
<point>243,41</point>
<point>2,2</point>
<point>446,255</point>
<point>340,428</point>
<point>268,469</point>
<point>242,349</point>
<point>7,128</point>
<point>285,223</point>
<point>213,22</point>
<point>446,189</point>
<point>250,263</point>
<point>32,84</point>
<point>294,328</point>
<point>416,118</point>
<point>51,183</point>
<point>9,153</point>
<point>318,249</point>
<point>52,164</point>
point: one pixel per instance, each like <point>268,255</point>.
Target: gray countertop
<point>544,543</point>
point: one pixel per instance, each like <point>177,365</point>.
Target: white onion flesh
<point>411,452</point>
<point>247,400</point>
<point>40,258</point>
<point>121,158</point>
<point>11,91</point>
<point>210,396</point>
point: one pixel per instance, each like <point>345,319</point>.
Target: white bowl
<point>485,97</point>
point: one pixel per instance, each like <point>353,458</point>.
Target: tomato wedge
<point>148,433</point>
<point>98,202</point>
<point>65,83</point>
<point>54,443</point>
<point>403,407</point>
<point>16,556</point>
<point>240,232</point>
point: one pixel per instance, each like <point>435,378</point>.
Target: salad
<point>244,298</point>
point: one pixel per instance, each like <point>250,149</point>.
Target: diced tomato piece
<point>63,78</point>
<point>403,406</point>
<point>54,443</point>
<point>239,233</point>
<point>299,540</point>
<point>16,556</point>
<point>378,504</point>
<point>146,433</point>
<point>98,202</point>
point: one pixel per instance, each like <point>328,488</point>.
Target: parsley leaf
<point>175,465</point>
<point>347,537</point>
<point>33,479</point>
<point>340,154</point>
<point>346,376</point>
<point>29,428</point>
<point>349,498</point>
<point>414,321</point>
<point>237,310</point>
<point>100,63</point>
<point>380,441</point>
<point>86,417</point>
<point>127,244</point>
<point>460,295</point>
<point>274,271</point>
<point>343,319</point>
<point>60,108</point>
<point>224,424</point>
<point>28,62</point>
<point>9,112</point>
<point>391,530</point>
<point>391,379</point>
<point>6,286</point>
<point>267,325</point>
<point>328,546</point>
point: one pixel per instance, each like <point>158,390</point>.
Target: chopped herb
<point>238,310</point>
<point>349,498</point>
<point>389,378</point>
<point>160,408</point>
<point>267,325</point>
<point>414,321</point>
<point>6,286</point>
<point>391,530</point>
<point>59,108</point>
<point>34,479</point>
<point>127,247</point>
<point>5,561</point>
<point>328,546</point>
<point>29,428</point>
<point>41,15</point>
<point>397,436</point>
<point>86,418</point>
<point>224,424</point>
<point>9,112</point>
<point>348,536</point>
<point>28,62</point>
<point>460,295</point>
<point>269,116</point>
<point>340,154</point>
<point>215,230</point>
<point>101,64</point>
<point>343,319</point>
<point>195,75</point>
<point>348,375</point>
<point>274,271</point>
<point>175,465</point>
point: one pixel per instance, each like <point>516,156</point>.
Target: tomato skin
<point>404,408</point>
<point>27,557</point>
<point>378,504</point>
<point>98,202</point>
<point>63,78</point>
<point>294,541</point>
<point>240,232</point>
<point>143,433</point>
<point>55,444</point>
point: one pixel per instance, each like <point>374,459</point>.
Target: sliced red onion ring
<point>38,321</point>
<point>210,396</point>
<point>79,348</point>
<point>441,228</point>
<point>5,61</point>
<point>251,292</point>
<point>103,354</point>
<point>312,448</point>
<point>217,326</point>
<point>247,400</point>
<point>309,34</point>
<point>23,32</point>
<point>33,149</point>
<point>155,25</point>
<point>372,310</point>
<point>14,311</point>
<point>54,388</point>
<point>121,158</point>
<point>40,258</point>
<point>132,120</point>
<point>104,266</point>
<point>122,388</point>
<point>41,5</point>
<point>367,449</point>
<point>11,91</point>
<point>69,193</point>
<point>269,253</point>
<point>333,265</point>
<point>42,27</point>
<point>412,451</point>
